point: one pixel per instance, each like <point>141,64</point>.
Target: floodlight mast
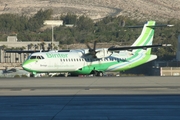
<point>53,23</point>
<point>52,37</point>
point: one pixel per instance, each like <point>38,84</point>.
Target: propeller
<point>92,51</point>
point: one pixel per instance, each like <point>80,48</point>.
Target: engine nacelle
<point>83,51</point>
<point>102,53</point>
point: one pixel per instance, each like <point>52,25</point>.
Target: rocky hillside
<point>136,9</point>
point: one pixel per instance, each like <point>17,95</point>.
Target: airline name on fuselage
<point>56,55</point>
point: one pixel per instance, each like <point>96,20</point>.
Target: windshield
<point>36,57</point>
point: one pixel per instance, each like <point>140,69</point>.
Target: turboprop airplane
<point>95,61</point>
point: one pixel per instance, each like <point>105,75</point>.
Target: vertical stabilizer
<point>146,37</point>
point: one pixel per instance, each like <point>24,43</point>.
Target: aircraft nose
<point>26,66</point>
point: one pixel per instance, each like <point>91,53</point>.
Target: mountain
<point>136,9</point>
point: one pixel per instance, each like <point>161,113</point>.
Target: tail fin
<point>146,37</point>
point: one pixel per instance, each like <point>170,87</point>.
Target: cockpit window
<point>42,57</point>
<point>32,57</point>
<point>36,57</point>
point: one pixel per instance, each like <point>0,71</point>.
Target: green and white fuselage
<point>73,62</point>
<point>80,62</point>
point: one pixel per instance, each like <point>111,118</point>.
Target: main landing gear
<point>97,73</point>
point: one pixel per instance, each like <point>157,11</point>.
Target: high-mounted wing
<point>140,26</point>
<point>31,51</point>
<point>136,47</point>
<point>99,53</point>
<point>21,51</point>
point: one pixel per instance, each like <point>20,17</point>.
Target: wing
<point>21,51</point>
<point>136,47</point>
<point>31,51</point>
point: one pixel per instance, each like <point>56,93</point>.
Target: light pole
<point>53,23</point>
<point>52,37</point>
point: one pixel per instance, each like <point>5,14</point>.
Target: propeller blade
<point>92,51</point>
<point>94,45</point>
<point>88,46</point>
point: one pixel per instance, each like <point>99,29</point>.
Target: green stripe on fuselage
<point>147,41</point>
<point>135,64</point>
<point>99,67</point>
<point>29,61</point>
<point>145,35</point>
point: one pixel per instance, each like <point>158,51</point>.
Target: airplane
<point>94,60</point>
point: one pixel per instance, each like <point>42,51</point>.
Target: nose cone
<point>27,65</point>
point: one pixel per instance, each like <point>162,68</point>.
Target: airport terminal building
<point>15,59</point>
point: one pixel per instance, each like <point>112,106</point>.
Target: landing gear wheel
<point>65,74</point>
<point>100,74</point>
<point>95,73</point>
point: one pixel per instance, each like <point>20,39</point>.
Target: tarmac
<point>90,98</point>
<point>89,86</point>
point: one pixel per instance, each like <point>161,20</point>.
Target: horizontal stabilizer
<point>153,26</point>
<point>161,26</point>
